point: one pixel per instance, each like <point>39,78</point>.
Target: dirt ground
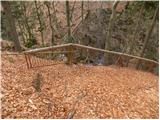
<point>77,91</point>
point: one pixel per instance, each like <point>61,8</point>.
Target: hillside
<point>80,59</point>
<point>78,91</point>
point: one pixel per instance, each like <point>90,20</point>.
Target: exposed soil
<point>100,91</point>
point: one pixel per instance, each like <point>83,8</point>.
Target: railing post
<point>70,55</point>
<point>151,67</point>
<point>120,61</point>
<point>26,60</point>
<point>29,60</point>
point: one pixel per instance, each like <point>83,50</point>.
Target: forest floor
<point>78,91</point>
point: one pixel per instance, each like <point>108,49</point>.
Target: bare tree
<point>11,22</point>
<point>68,22</point>
<point>88,7</point>
<point>29,35</point>
<point>50,21</point>
<point>21,31</point>
<point>82,11</point>
<point>148,34</point>
<point>56,24</point>
<point>109,33</point>
<point>136,30</point>
<point>72,11</point>
<point>40,22</point>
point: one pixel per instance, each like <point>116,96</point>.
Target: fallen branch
<point>72,113</point>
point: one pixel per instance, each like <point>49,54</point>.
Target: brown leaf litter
<point>77,91</point>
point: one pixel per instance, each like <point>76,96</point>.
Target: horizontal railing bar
<point>55,52</point>
<point>12,54</point>
<point>91,48</point>
<point>113,52</point>
<point>47,48</point>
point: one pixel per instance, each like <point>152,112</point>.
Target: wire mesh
<point>47,58</point>
<point>84,54</point>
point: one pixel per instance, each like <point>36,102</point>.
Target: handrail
<point>90,48</point>
<point>47,48</point>
<point>113,52</point>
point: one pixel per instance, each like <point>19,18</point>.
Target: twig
<point>72,113</point>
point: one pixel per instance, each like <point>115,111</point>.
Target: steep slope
<point>87,91</point>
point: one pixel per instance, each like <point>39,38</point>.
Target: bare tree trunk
<point>68,22</point>
<point>148,34</point>
<point>101,4</point>
<point>109,33</point>
<point>21,30</point>
<point>40,22</point>
<point>136,31</point>
<point>72,11</point>
<point>56,28</point>
<point>26,24</point>
<point>82,4</point>
<point>24,30</point>
<point>11,22</point>
<point>88,7</point>
<point>50,21</point>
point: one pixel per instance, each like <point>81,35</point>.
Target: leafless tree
<point>11,24</point>
<point>68,22</point>
<point>148,34</point>
<point>109,33</point>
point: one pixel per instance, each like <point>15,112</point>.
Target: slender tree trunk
<point>82,4</point>
<point>101,4</point>
<point>26,24</point>
<point>56,28</point>
<point>136,31</point>
<point>24,31</point>
<point>109,33</point>
<point>68,22</point>
<point>40,22</point>
<point>148,34</point>
<point>88,7</point>
<point>55,19</point>
<point>11,22</point>
<point>50,22</point>
<point>72,11</point>
<point>21,30</point>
